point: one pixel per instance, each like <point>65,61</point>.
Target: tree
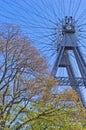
<point>20,64</point>
<point>64,113</point>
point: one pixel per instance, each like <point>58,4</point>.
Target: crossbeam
<point>65,81</point>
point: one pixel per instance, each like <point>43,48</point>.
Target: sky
<point>41,20</point>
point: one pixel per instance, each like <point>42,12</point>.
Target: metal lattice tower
<point>66,44</point>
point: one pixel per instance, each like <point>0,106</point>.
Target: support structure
<point>69,43</point>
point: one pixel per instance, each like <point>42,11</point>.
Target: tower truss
<point>66,44</point>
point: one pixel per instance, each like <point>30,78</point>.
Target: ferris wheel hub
<point>68,25</point>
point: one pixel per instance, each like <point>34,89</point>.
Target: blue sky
<point>39,19</point>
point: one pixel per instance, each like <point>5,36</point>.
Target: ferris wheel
<point>58,30</point>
